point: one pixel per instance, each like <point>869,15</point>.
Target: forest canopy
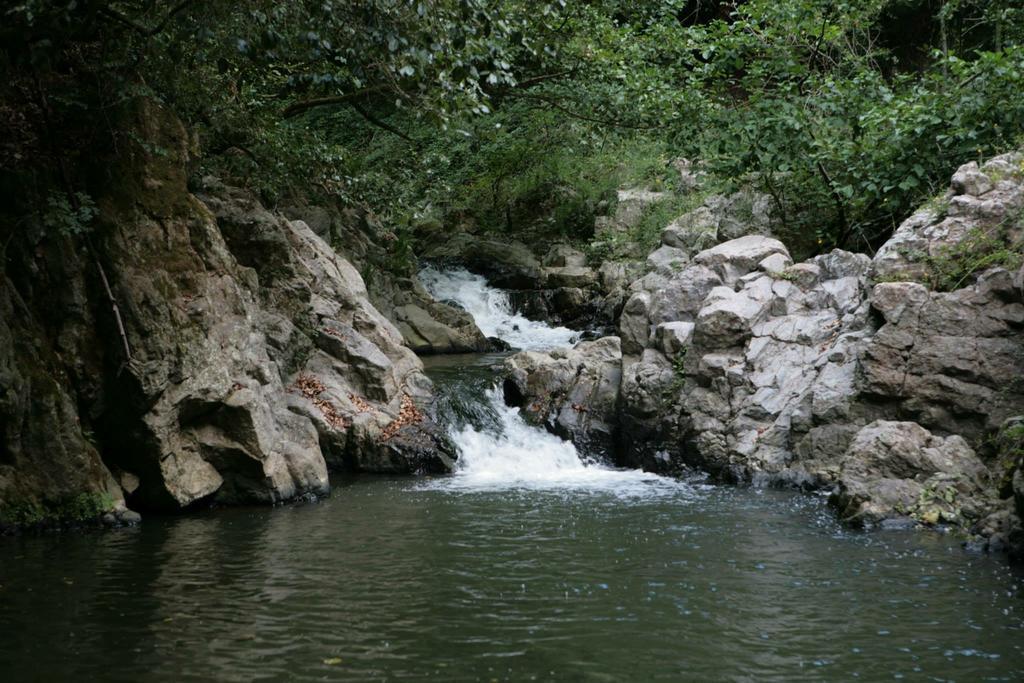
<point>520,115</point>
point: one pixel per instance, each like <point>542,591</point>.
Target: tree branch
<point>142,29</point>
<point>296,108</point>
<point>380,124</point>
<point>530,82</point>
<point>582,117</point>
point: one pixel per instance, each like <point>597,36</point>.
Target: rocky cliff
<point>194,348</point>
<point>882,379</point>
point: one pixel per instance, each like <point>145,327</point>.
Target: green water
<point>404,582</point>
<point>579,578</point>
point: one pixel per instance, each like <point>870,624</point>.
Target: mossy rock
<point>78,509</point>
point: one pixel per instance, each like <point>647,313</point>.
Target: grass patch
<point>952,267</point>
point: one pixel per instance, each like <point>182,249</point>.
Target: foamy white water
<point>514,455</point>
<point>511,454</point>
<point>492,310</point>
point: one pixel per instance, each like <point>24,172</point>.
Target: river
<point>527,563</point>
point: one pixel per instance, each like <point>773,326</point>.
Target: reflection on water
<point>402,581</point>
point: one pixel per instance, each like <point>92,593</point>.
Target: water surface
<point>403,580</point>
<point>529,563</point>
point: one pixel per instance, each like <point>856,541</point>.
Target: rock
<point>804,275</point>
<point>647,411</point>
<point>742,213</point>
<point>681,297</point>
<point>673,338</point>
<point>612,275</point>
<point>129,517</point>
<point>667,260</point>
<point>505,263</point>
<point>570,276</point>
<point>251,356</point>
<point>319,219</point>
<point>572,305</point>
<point>735,258</point>
<point>894,469</point>
<point>757,370</point>
<point>943,358</point>
<point>720,218</point>
<point>439,328</point>
<point>634,325</point>
<point>727,317</point>
<point>572,392</point>
<point>562,255</point>
<point>49,455</point>
<point>693,231</point>
<point>974,205</point>
<point>499,344</point>
<point>969,180</point>
<point>775,264</point>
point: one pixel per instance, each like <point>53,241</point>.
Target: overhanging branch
<point>296,108</point>
<point>142,29</point>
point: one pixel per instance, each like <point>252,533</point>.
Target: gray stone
<point>570,276</point>
<point>895,469</point>
<point>775,264</point>
<point>974,205</point>
<point>562,255</point>
<point>667,260</point>
<point>736,258</point>
<point>572,392</point>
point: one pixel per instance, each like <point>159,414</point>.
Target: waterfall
<point>512,454</point>
<point>492,310</point>
<point>498,449</point>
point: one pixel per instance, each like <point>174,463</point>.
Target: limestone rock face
<point>719,219</point>
<point>899,469</point>
<point>355,380</point>
<point>982,200</point>
<point>251,358</point>
<point>572,392</point>
<point>949,360</point>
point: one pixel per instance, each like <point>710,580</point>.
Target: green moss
<point>1007,449</point>
<point>952,267</point>
<point>83,507</point>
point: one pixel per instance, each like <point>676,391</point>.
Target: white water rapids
<point>508,453</point>
<point>492,310</point>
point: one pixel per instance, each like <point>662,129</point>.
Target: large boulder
<point>573,392</point>
<point>428,326</point>
<point>719,219</point>
<point>737,257</point>
<point>505,263</point>
<point>948,359</point>
<point>899,470</point>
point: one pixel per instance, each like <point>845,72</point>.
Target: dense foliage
<point>522,116</point>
